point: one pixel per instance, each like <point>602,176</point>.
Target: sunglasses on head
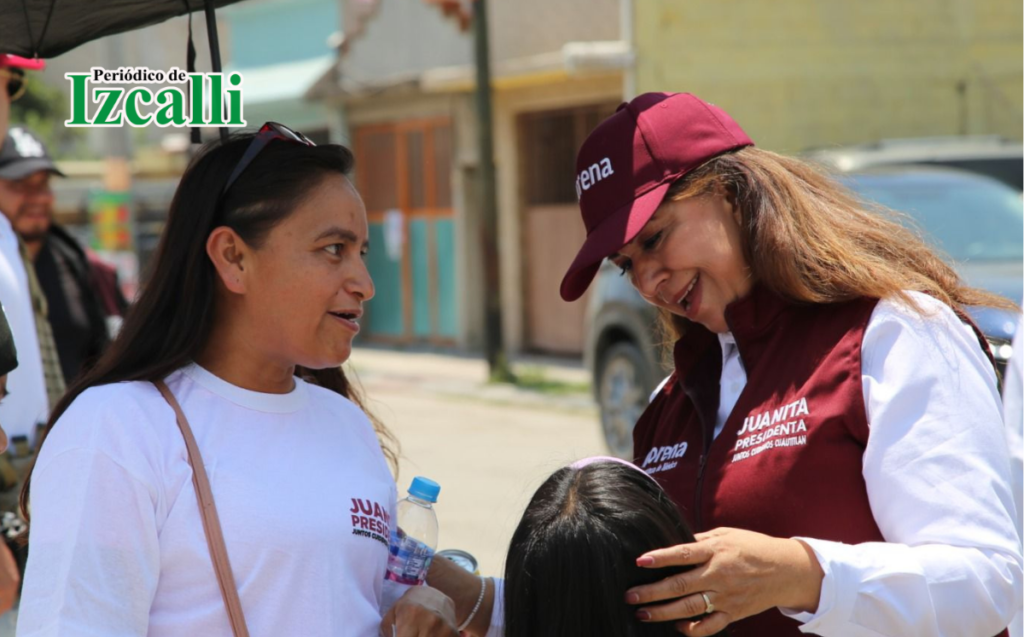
<point>15,82</point>
<point>268,133</point>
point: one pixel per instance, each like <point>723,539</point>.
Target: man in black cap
<point>63,271</point>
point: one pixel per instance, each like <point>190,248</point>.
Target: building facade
<point>800,74</point>
<point>405,81</point>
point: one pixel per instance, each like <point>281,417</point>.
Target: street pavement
<point>489,446</point>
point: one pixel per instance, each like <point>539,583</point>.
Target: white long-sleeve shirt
<point>27,403</point>
<point>1013,415</point>
<point>938,480</point>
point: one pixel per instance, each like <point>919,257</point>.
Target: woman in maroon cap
<point>832,426</point>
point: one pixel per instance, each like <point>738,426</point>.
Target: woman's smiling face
<point>688,259</point>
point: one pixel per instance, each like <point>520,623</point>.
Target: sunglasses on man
<point>15,82</point>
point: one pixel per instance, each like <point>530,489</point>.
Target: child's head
<point>573,556</point>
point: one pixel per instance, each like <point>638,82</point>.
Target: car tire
<point>624,388</point>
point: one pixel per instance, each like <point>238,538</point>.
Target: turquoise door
<point>404,175</point>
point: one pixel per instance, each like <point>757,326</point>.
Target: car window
<point>968,219</point>
<point>1006,169</point>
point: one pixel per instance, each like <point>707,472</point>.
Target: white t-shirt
<point>27,403</point>
<point>303,492</point>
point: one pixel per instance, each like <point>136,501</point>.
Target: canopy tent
<point>46,28</point>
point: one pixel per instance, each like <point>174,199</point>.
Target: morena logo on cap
<point>593,174</point>
<point>653,141</point>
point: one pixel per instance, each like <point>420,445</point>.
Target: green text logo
<point>200,99</point>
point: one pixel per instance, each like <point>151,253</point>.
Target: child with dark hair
<point>573,555</point>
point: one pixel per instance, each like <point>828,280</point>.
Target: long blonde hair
<point>810,240</point>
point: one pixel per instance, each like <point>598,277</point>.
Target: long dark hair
<point>573,555</point>
<point>170,322</point>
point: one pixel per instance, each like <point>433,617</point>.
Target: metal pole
<point>488,200</point>
<point>118,138</point>
<point>626,12</point>
<point>961,90</point>
<point>211,34</point>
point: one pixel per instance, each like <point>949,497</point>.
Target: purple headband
<point>579,464</point>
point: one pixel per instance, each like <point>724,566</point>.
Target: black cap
<point>8,354</point>
<point>23,154</point>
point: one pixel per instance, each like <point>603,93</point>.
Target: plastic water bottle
<point>414,539</point>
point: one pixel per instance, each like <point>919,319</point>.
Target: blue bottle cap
<point>424,489</point>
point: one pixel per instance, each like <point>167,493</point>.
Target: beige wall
<point>400,39</point>
<point>801,73</point>
<point>521,28</point>
<point>403,39</point>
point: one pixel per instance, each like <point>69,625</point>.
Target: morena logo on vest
<point>665,455</point>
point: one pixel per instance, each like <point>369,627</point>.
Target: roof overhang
<point>281,82</point>
<point>573,60</point>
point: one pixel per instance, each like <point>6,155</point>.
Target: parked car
<point>994,156</point>
<point>977,221</point>
<point>623,353</point>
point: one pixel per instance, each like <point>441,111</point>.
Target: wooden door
<point>552,229</point>
<point>404,171</point>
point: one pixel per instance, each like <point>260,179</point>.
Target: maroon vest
<point>789,459</point>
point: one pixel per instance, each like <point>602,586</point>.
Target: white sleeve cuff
<point>887,588</point>
<point>830,613</point>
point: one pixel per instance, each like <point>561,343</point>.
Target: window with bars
<point>550,141</point>
<point>376,158</point>
<point>407,165</point>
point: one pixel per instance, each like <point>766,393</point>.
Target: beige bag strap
<point>211,523</point>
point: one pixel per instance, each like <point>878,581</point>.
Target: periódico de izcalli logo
<point>191,99</point>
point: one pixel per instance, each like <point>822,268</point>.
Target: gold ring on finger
<point>708,606</point>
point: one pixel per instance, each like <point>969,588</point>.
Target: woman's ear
<point>737,214</point>
<point>730,199</point>
<point>229,253</point>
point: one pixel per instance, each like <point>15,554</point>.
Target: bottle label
<point>409,559</point>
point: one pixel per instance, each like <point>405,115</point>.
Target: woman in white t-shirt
<point>253,301</point>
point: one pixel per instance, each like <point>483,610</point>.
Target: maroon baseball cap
<point>628,163</point>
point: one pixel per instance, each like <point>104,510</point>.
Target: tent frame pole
<point>211,33</point>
